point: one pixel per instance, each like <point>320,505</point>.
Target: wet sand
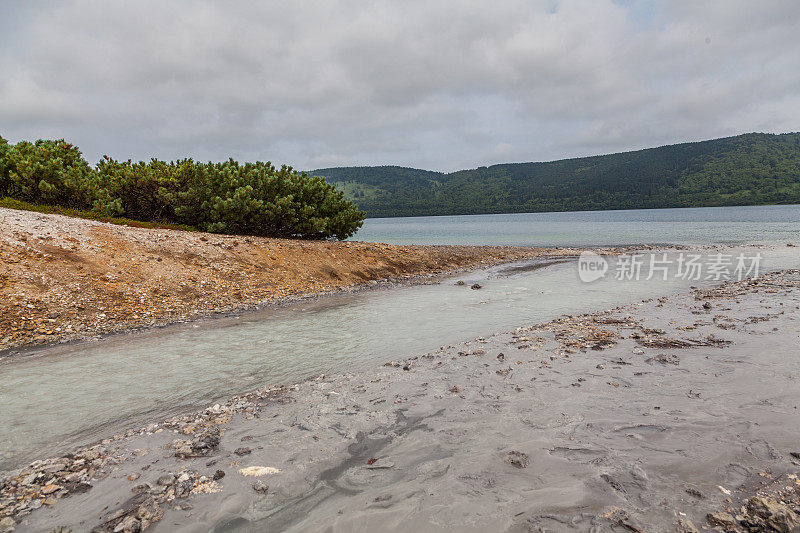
<point>645,417</point>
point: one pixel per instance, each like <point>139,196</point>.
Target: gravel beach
<point>672,414</point>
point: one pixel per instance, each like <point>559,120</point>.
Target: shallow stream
<point>56,398</point>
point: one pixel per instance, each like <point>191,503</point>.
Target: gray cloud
<point>440,85</point>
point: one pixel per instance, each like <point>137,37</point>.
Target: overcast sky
<point>429,84</point>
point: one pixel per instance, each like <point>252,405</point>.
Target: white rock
<point>258,471</point>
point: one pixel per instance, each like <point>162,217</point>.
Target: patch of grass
<point>13,203</point>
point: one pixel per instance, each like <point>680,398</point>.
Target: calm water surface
<point>755,224</point>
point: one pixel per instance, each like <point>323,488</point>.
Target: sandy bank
<point>648,417</point>
<point>64,278</point>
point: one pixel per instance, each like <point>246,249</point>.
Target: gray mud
<point>637,418</point>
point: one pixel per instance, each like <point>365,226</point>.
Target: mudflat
<point>677,412</point>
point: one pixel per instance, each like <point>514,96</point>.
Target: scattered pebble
<point>518,459</point>
<point>260,487</point>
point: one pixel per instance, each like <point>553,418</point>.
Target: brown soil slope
<point>64,278</point>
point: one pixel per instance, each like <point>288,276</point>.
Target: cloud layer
<point>440,85</point>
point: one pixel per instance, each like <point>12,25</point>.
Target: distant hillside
<point>750,169</point>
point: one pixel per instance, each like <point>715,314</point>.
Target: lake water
<point>59,397</point>
<point>752,224</point>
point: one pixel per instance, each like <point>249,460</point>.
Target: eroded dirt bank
<point>672,414</point>
<point>64,278</point>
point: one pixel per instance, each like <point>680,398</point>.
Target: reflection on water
<point>59,397</point>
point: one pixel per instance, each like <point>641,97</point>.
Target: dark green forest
<point>750,169</point>
<point>228,197</point>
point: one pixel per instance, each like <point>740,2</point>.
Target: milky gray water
<point>56,398</point>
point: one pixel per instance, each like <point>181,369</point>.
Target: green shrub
<point>256,198</point>
<point>5,180</point>
<point>250,198</point>
<point>49,172</point>
<point>138,190</point>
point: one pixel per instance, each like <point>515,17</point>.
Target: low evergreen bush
<point>228,197</point>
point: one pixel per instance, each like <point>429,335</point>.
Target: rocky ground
<point>65,278</point>
<point>675,414</point>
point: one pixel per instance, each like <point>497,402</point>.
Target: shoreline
<point>242,311</point>
<point>69,286</point>
<point>406,414</point>
<point>69,279</point>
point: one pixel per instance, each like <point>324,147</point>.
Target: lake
<point>702,225</point>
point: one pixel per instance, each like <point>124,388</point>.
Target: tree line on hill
<point>750,169</point>
<point>260,199</point>
<point>227,197</point>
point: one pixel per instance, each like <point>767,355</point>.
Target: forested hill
<point>750,169</point>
